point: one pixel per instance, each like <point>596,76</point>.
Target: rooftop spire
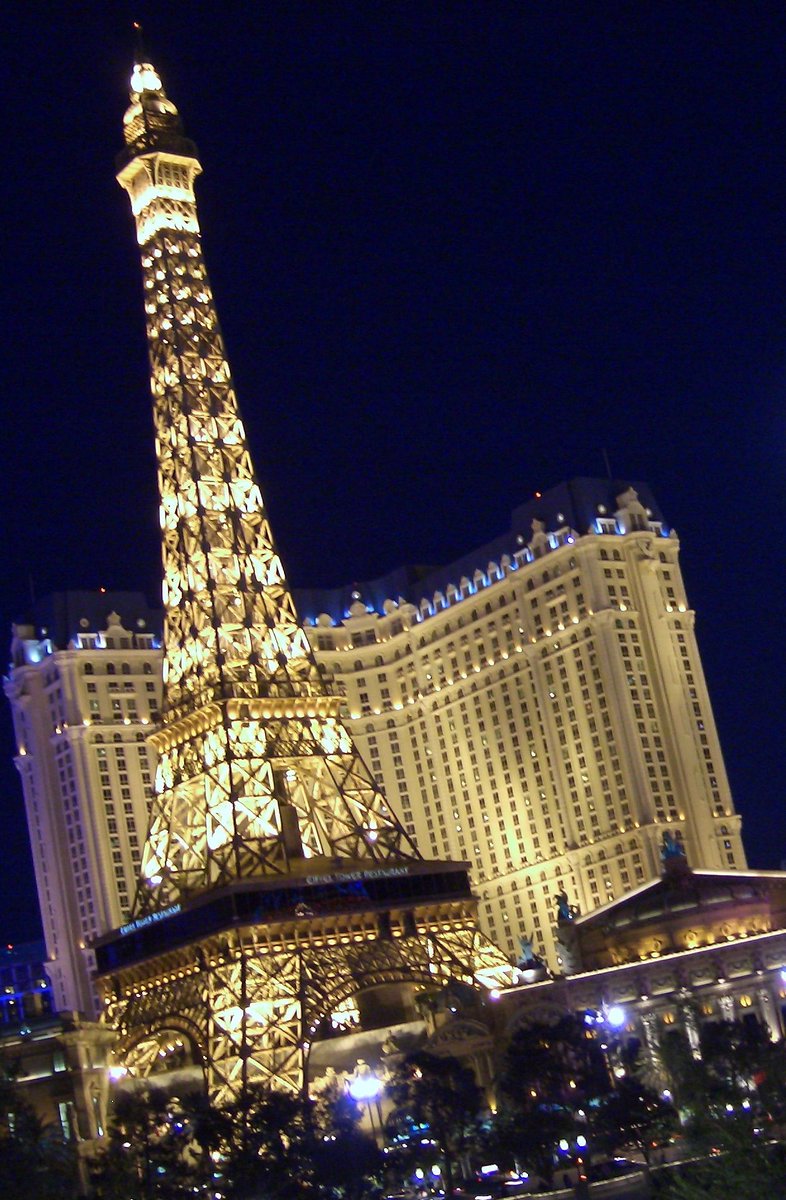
<point>144,77</point>
<point>151,121</point>
<point>140,55</point>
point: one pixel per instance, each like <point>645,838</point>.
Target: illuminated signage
<point>141,922</point>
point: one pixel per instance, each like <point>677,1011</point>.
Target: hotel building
<point>539,708</point>
<point>84,686</point>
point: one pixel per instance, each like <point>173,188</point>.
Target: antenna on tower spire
<point>140,55</point>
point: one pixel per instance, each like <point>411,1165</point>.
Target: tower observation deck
<point>279,887</point>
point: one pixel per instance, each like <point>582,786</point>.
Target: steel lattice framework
<point>257,778</point>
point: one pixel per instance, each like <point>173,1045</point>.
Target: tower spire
<point>263,809</point>
<point>140,55</point>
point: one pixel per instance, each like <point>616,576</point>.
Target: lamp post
<point>366,1089</point>
<point>610,1020</point>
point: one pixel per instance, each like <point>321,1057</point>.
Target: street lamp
<point>616,1016</point>
<point>612,1018</point>
<point>366,1088</point>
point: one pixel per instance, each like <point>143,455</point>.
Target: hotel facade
<point>539,707</point>
<point>84,686</point>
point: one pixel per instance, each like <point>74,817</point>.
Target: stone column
<point>726,1005</point>
<point>768,1013</point>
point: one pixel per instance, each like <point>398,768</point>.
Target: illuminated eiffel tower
<point>279,890</point>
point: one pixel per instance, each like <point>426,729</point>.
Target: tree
<point>436,1110</point>
<point>562,1063</point>
<point>524,1137</point>
<point>737,1052</point>
<point>35,1161</point>
<point>552,1076</point>
<point>734,1057</point>
<point>284,1147</point>
<point>633,1115</point>
<point>268,1147</point>
<point>267,1144</point>
<point>742,1166</point>
<point>348,1162</point>
<point>148,1153</point>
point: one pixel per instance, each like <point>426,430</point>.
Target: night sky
<point>457,251</point>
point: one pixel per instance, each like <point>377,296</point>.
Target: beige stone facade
<point>84,689</point>
<point>539,708</point>
<point>60,1067</point>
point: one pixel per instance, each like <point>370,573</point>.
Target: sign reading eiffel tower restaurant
<point>278,884</point>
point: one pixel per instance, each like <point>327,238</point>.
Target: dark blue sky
<point>457,250</point>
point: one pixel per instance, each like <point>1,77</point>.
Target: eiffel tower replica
<point>280,893</point>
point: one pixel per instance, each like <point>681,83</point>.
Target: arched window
<point>87,669</point>
<point>111,669</point>
<point>148,668</point>
<point>125,669</point>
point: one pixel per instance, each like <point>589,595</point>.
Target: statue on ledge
<point>527,959</point>
<point>672,848</point>
<point>565,910</point>
<point>530,966</point>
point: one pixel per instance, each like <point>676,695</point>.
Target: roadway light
<point>616,1016</point>
<point>365,1087</point>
